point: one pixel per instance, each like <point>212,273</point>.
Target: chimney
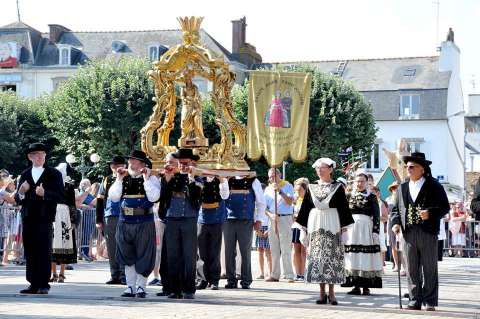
<point>238,34</point>
<point>56,32</point>
<point>449,54</point>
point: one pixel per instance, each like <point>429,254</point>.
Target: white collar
<point>418,182</point>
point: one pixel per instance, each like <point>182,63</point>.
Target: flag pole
<point>276,204</point>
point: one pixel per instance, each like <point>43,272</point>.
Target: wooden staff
<point>276,205</point>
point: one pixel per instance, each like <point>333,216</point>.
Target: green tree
<point>101,109</point>
<point>339,118</point>
<point>21,125</point>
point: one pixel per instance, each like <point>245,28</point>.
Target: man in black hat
<point>419,205</point>
<point>136,190</point>
<point>181,200</point>
<point>40,189</point>
<point>107,220</point>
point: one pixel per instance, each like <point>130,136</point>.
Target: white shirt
<point>414,188</point>
<point>37,172</point>
<point>282,207</point>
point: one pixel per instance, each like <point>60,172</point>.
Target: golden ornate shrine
<point>180,65</point>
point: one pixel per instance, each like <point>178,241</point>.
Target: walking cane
<point>399,258</point>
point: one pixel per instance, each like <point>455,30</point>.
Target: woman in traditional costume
<point>323,215</point>
<point>64,250</point>
<point>363,261</point>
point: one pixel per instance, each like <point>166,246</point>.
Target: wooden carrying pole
<point>276,204</point>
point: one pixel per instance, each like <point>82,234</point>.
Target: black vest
<point>241,184</point>
<point>211,191</point>
<point>133,186</point>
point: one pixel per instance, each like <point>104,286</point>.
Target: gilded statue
<point>191,120</point>
<point>178,67</point>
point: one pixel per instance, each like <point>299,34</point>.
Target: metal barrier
<point>467,242</point>
<point>87,234</point>
<point>10,232</point>
<point>86,231</point>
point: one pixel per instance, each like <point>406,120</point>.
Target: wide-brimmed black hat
<point>141,156</point>
<point>185,153</point>
<point>35,147</point>
<point>417,157</point>
<point>117,160</point>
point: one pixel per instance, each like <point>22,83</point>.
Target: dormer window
<point>64,55</point>
<point>155,51</point>
<point>409,106</point>
<point>118,46</point>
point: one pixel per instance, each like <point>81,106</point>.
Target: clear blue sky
<point>285,30</point>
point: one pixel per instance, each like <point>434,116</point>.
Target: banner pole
<point>276,204</point>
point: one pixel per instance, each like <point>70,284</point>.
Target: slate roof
<point>96,45</point>
<point>387,74</point>
<point>26,36</point>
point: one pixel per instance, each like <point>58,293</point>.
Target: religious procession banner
<point>278,111</point>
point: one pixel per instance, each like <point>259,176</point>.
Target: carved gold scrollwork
<point>180,65</point>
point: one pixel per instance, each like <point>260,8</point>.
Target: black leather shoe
<point>366,292</point>
<point>245,286</point>
<point>175,296</point>
<point>333,302</point>
<point>140,293</point>
<point>202,285</point>
<point>430,308</point>
<point>30,290</point>
<point>163,294</point>
<point>322,301</point>
<point>188,296</point>
<point>214,287</point>
<point>355,291</point>
<point>231,286</point>
<point>413,305</point>
<point>128,293</point>
<point>42,291</point>
<point>113,281</point>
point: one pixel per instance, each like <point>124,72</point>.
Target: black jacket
<point>431,197</point>
<point>36,208</point>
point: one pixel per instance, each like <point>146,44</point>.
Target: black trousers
<point>421,250</point>
<point>37,243</point>
<point>164,267</point>
<point>117,271</point>
<point>209,245</point>
<point>237,230</point>
<point>181,235</point>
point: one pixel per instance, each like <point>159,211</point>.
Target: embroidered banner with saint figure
<point>278,108</point>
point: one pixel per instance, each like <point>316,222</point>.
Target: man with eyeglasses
<point>419,205</point>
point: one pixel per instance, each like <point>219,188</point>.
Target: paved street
<point>85,296</point>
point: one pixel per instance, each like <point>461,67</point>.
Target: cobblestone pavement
<point>85,296</point>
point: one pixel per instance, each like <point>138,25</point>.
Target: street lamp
<point>83,168</point>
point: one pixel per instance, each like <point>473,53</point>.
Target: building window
<point>5,88</point>
<point>153,53</point>
<point>57,81</point>
<point>413,147</point>
<point>410,106</point>
<point>64,56</point>
<point>373,161</point>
